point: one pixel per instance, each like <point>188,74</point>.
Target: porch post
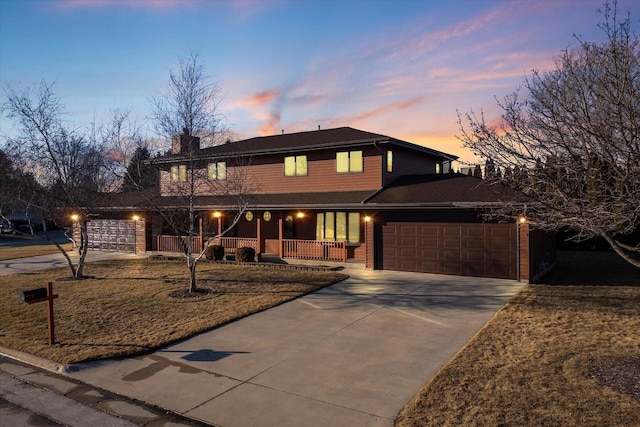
<point>280,234</point>
<point>369,250</point>
<point>201,234</point>
<point>259,235</point>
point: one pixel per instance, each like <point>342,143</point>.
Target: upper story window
<point>217,171</point>
<point>295,166</point>
<point>179,173</point>
<point>389,161</point>
<point>349,162</point>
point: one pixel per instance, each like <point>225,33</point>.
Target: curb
<point>37,361</point>
<point>120,406</point>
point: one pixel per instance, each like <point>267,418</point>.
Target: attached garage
<point>467,249</point>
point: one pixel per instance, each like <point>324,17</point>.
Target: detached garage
<point>435,224</point>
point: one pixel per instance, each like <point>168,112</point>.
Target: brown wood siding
<point>485,250</point>
<point>267,175</point>
<point>523,247</point>
<point>409,163</point>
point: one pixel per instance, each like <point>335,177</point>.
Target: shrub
<point>245,254</point>
<point>215,252</point>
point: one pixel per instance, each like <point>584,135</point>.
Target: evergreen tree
<point>140,175</point>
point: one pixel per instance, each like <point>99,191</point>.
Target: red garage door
<point>485,250</point>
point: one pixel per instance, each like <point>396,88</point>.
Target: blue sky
<point>400,68</point>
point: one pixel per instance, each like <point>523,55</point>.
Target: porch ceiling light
<point>217,214</point>
<point>75,217</point>
<point>300,215</point>
<point>522,219</point>
<point>136,218</point>
<point>367,218</point>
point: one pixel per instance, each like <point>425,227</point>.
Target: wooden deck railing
<point>230,244</point>
<point>177,243</point>
<point>325,250</point>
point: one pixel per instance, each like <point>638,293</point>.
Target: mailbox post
<point>41,295</point>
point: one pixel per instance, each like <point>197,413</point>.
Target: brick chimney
<point>184,143</point>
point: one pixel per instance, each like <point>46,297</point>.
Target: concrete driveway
<point>349,355</point>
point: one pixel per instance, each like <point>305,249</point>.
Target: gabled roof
<point>342,137</point>
<point>442,190</point>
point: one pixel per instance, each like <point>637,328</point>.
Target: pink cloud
<point>261,98</point>
<point>270,127</point>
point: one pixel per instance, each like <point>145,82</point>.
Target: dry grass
<point>125,307</point>
<point>532,363</point>
<point>7,253</point>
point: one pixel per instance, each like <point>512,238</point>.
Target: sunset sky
<point>400,68</point>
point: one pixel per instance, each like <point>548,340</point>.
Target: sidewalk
<point>37,393</point>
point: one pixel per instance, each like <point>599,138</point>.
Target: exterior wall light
<point>136,218</point>
<point>75,217</point>
<point>522,219</point>
<point>367,218</point>
<point>300,215</point>
<point>217,214</point>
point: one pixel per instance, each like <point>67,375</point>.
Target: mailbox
<point>34,294</point>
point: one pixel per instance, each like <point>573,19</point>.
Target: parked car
<point>6,228</point>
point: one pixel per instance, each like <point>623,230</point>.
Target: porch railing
<point>177,243</point>
<point>230,244</point>
<point>326,250</point>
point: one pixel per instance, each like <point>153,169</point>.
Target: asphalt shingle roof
<point>442,189</point>
<point>301,141</point>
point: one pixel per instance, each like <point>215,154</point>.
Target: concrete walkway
<point>55,260</point>
<point>349,355</point>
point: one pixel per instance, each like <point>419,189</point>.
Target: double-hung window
<point>340,226</point>
<point>295,166</point>
<point>217,171</point>
<point>179,173</point>
<point>349,162</point>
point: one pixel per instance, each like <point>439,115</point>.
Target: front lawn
<point>125,307</point>
<point>558,354</point>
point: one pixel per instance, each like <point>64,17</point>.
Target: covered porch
<point>307,235</point>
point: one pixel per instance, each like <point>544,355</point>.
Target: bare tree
<point>191,102</point>
<point>188,113</point>
<point>63,160</point>
<point>571,143</point>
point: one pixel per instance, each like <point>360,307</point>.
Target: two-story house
<point>338,194</point>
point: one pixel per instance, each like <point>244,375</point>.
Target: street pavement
<point>55,260</point>
<point>350,354</point>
